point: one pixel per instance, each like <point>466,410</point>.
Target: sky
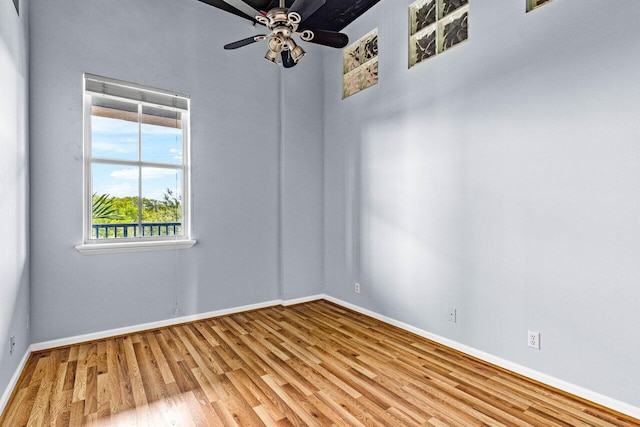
<point>118,140</point>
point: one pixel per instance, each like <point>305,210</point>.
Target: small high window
<point>136,164</point>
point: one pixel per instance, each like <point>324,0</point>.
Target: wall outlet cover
<point>533,340</point>
<point>451,314</point>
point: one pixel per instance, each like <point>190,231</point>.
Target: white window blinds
<point>97,85</point>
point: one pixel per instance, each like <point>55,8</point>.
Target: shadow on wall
<point>410,210</point>
<point>516,199</point>
<point>14,269</point>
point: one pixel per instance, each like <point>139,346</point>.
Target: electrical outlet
<point>28,321</point>
<point>452,314</point>
<point>357,288</point>
<point>12,343</point>
<point>533,340</point>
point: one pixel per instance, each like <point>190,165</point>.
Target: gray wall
<point>500,178</point>
<point>14,186</point>
<point>236,154</point>
<point>302,111</point>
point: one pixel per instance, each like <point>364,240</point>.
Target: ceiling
<point>334,15</point>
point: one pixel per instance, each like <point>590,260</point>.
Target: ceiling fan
<point>283,23</point>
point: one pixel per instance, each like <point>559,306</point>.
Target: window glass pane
<point>161,202</point>
<point>114,201</point>
<point>114,129</point>
<point>161,135</point>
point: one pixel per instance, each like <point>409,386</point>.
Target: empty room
<point>320,213</point>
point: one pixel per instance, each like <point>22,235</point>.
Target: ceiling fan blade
<point>306,8</point>
<point>244,42</point>
<point>328,38</point>
<point>239,5</point>
<point>287,60</point>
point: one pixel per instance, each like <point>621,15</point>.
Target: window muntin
<point>136,163</point>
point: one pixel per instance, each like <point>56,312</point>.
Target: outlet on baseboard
<point>357,288</point>
<point>533,340</point>
<point>12,343</point>
<point>451,314</point>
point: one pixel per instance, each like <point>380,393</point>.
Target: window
<point>136,167</point>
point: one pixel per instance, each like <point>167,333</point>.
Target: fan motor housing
<point>280,25</point>
<point>278,16</point>
<point>282,31</point>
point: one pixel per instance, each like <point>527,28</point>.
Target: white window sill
<point>114,248</point>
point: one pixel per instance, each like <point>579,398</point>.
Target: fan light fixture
<point>272,56</point>
<point>284,23</point>
<point>297,53</point>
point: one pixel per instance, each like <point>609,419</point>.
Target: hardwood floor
<point>313,364</point>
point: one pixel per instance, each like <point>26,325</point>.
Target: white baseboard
<point>302,300</point>
<point>4,400</point>
<point>592,396</point>
<point>164,323</point>
<point>584,393</point>
<point>147,326</point>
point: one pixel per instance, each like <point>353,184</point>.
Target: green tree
<point>103,207</point>
<point>125,210</point>
<point>172,204</point>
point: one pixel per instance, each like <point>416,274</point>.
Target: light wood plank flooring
<point>313,364</point>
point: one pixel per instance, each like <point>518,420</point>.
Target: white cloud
<point>116,148</point>
<point>159,130</point>
<point>118,190</point>
<point>177,152</point>
<point>147,173</point>
<point>104,125</point>
<point>125,174</point>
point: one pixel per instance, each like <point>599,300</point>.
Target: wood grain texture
<point>313,364</point>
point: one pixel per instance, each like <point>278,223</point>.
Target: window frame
<point>92,245</point>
